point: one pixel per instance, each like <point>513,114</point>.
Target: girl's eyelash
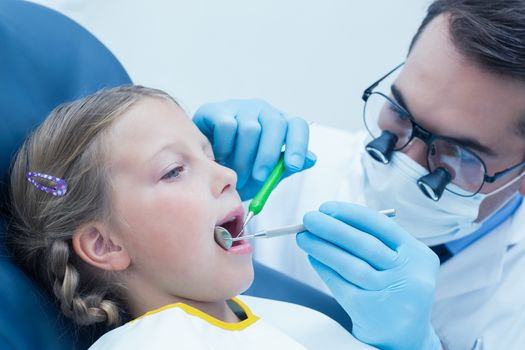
<point>173,173</point>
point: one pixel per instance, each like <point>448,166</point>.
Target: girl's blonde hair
<point>70,145</point>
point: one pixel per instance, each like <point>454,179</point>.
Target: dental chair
<point>47,59</point>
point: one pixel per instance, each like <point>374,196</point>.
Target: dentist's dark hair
<point>490,34</point>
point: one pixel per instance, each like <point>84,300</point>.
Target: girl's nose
<point>224,179</point>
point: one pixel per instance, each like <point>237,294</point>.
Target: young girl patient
<point>115,199</point>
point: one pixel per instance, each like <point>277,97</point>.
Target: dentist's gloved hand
<point>382,276</point>
<point>247,136</point>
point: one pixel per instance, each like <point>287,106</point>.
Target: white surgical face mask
<point>394,186</point>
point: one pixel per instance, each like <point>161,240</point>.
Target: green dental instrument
<point>257,203</point>
<point>223,236</point>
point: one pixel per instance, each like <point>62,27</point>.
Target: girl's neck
<point>142,300</point>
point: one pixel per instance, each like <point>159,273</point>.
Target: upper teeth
<point>229,220</point>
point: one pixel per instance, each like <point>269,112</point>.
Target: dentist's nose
<point>417,150</point>
<point>224,179</point>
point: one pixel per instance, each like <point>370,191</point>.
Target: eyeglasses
<point>448,162</point>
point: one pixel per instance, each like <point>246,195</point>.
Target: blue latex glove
<point>247,136</point>
<point>382,276</point>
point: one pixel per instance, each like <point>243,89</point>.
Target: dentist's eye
<point>173,173</point>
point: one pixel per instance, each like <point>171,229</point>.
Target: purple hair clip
<point>58,188</point>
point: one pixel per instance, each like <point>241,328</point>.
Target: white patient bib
<point>283,326</point>
<point>180,326</point>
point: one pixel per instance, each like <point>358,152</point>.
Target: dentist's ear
<point>93,244</point>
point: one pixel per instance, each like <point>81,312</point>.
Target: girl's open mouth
<point>233,222</point>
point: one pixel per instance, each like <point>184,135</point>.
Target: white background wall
<point>309,58</point>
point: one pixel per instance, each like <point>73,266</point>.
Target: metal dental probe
<point>225,240</point>
<point>287,230</point>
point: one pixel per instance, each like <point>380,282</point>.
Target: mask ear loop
<point>507,185</point>
<point>58,186</point>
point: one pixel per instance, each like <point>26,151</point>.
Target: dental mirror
<point>223,237</point>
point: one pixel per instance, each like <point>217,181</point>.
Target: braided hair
<point>69,145</point>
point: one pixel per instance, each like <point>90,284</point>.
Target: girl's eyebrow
<point>171,148</point>
<point>167,147</point>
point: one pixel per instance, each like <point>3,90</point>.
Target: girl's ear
<point>93,244</point>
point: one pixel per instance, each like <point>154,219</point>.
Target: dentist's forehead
<point>450,95</point>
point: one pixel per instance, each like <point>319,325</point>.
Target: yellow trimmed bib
<point>180,326</point>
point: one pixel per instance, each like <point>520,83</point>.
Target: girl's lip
<point>242,248</point>
<point>237,213</point>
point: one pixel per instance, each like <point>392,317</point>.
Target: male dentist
<point>445,147</point>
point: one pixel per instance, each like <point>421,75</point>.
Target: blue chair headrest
<point>45,59</point>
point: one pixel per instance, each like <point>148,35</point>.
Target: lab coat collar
<point>480,265</point>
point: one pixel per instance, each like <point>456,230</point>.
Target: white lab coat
<point>480,293</point>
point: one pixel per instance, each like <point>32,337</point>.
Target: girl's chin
<point>242,279</point>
